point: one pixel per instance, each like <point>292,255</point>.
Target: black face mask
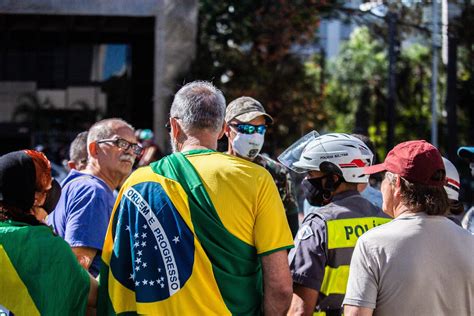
<point>314,191</point>
<point>53,197</point>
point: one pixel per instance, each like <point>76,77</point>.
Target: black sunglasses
<point>123,144</point>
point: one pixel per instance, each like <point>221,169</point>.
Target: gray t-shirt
<point>415,265</point>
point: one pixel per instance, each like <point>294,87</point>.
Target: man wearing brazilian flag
<point>199,232</point>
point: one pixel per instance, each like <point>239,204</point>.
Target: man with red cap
<point>400,268</point>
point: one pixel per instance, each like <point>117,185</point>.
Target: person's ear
<point>223,130</point>
<point>227,130</point>
<point>71,165</point>
<point>93,149</point>
<point>397,185</point>
<point>175,128</point>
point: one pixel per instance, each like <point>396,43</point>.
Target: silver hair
<point>78,148</point>
<point>105,129</point>
<point>199,105</point>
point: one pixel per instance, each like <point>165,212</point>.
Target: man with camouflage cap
<point>246,124</point>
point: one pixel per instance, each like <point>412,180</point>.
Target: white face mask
<point>248,145</point>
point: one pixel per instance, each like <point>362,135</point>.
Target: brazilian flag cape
<point>39,273</point>
<point>167,252</point>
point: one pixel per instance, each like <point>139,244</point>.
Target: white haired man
<point>197,231</point>
<point>83,211</point>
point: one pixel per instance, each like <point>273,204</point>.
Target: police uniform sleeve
<point>362,283</point>
<point>308,259</point>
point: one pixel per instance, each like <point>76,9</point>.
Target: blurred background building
<point>66,64</point>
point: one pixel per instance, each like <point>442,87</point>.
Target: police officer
<point>246,124</point>
<point>324,244</point>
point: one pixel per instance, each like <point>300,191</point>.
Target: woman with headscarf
<point>40,274</point>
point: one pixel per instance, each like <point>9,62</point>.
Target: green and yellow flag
<point>167,253</point>
<point>39,273</point>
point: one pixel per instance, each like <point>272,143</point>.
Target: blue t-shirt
<point>83,213</point>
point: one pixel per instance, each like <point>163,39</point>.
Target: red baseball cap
<point>416,160</point>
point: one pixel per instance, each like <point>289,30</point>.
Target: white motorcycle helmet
<point>452,180</point>
<point>338,153</point>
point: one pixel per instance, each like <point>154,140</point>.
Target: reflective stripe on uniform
<point>343,233</point>
<point>335,280</point>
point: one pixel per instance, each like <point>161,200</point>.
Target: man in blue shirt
<point>83,211</point>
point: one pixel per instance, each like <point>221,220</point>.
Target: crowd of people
<point>203,232</point>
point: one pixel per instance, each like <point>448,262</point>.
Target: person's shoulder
<point>315,217</point>
<point>77,179</point>
<point>313,226</point>
<point>351,203</point>
<point>240,164</point>
<point>86,185</point>
<point>334,209</point>
<point>456,228</point>
<point>42,235</point>
<point>141,174</point>
<point>387,231</point>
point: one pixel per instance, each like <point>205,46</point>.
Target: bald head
<point>106,129</point>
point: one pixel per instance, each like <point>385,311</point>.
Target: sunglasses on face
<point>123,144</point>
<point>249,128</point>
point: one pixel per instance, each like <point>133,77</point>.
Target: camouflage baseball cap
<point>245,109</point>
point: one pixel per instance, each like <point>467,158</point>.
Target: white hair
<point>199,105</point>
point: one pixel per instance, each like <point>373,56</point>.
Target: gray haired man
<point>82,214</point>
<point>217,221</point>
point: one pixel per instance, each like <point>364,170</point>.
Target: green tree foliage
<point>413,74</point>
<point>461,30</point>
<point>356,91</point>
<point>248,48</point>
<point>356,80</point>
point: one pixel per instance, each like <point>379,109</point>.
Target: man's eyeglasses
<point>123,144</point>
<point>249,128</point>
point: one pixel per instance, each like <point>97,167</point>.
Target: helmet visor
<point>293,153</point>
